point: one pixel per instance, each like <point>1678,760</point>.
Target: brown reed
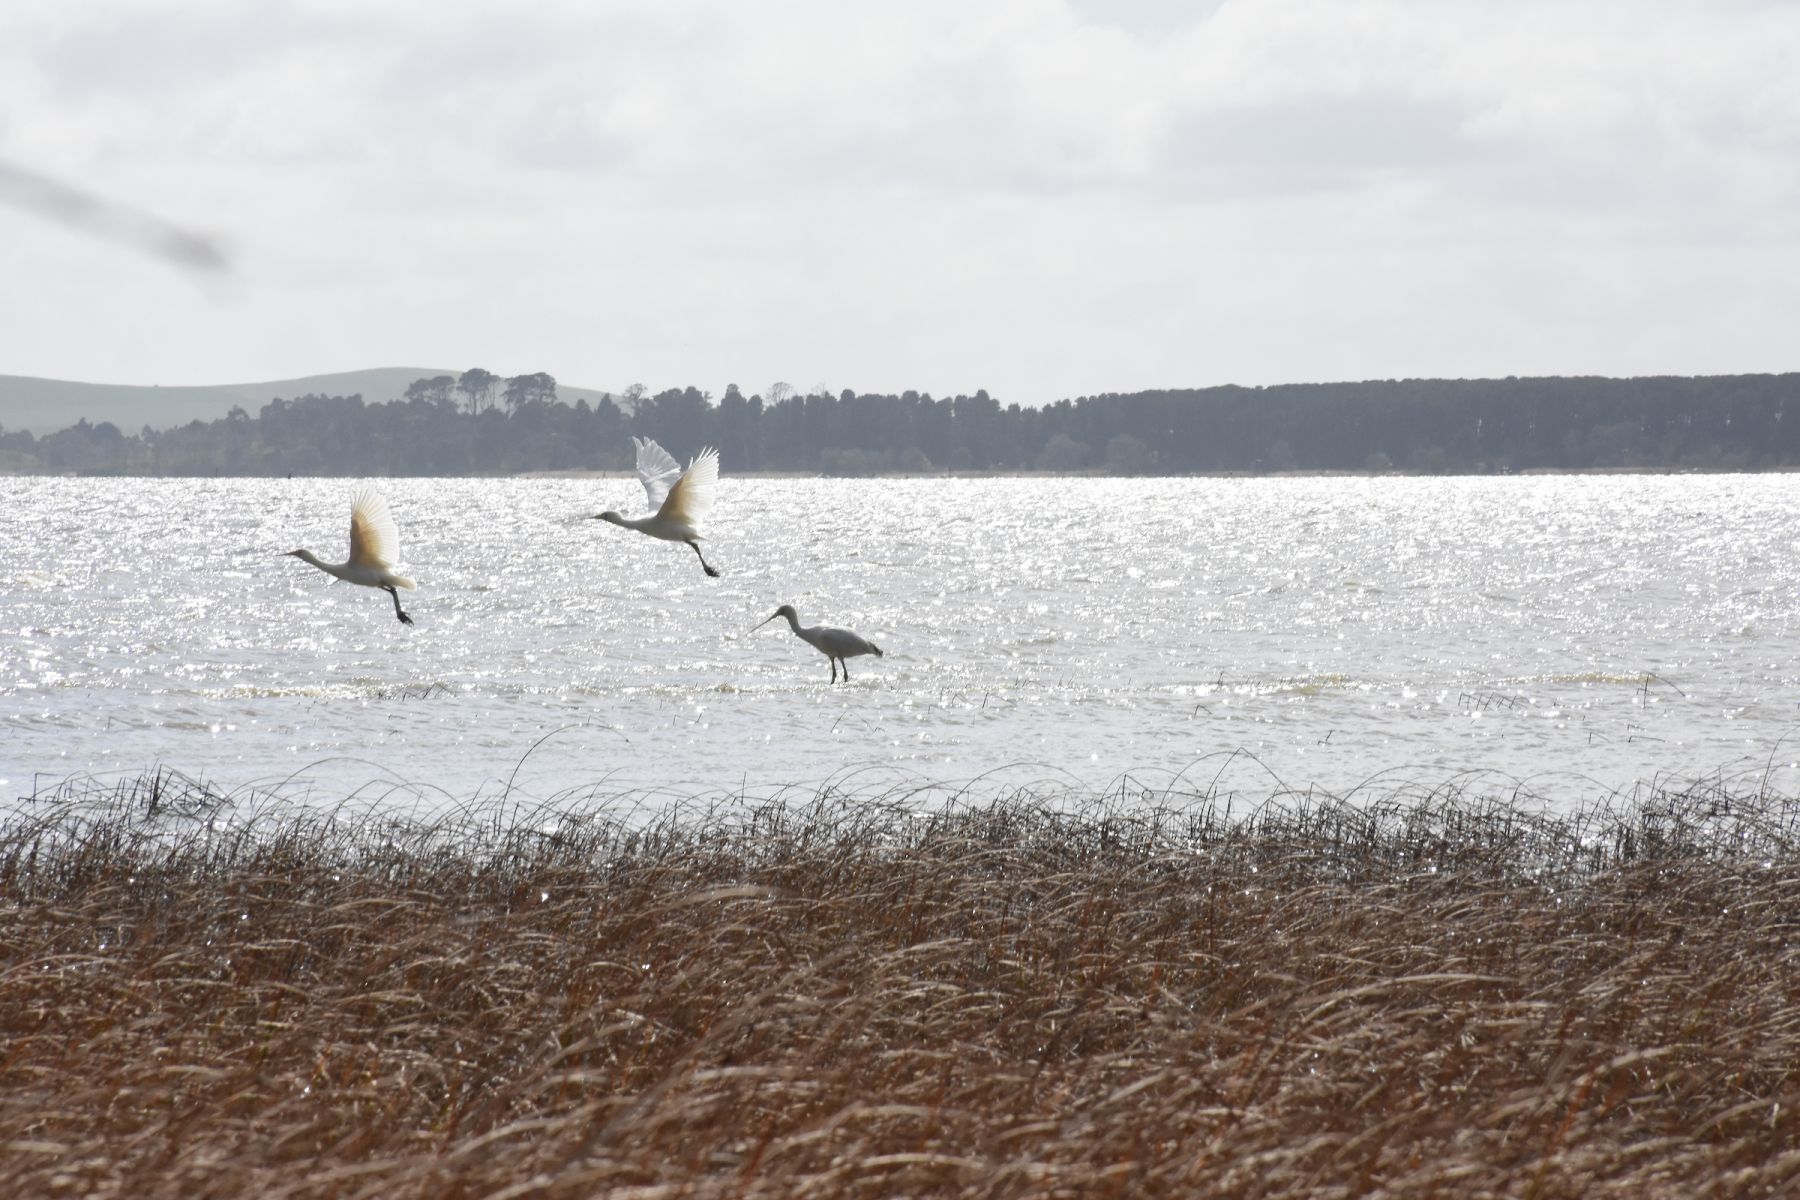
<point>1427,996</point>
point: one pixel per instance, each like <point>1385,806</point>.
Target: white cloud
<point>1038,197</point>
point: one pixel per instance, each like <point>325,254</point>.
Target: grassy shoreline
<point>851,997</point>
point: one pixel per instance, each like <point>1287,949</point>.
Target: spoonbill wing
<point>692,496</point>
<point>657,470</point>
<point>374,538</point>
<point>840,642</point>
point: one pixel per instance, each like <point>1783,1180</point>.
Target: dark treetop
<point>480,423</point>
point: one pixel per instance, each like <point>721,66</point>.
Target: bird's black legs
<point>404,619</point>
<point>846,663</point>
<point>834,670</point>
<point>703,562</point>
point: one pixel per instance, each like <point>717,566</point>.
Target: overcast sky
<point>1045,198</point>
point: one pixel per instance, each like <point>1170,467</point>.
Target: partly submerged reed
<point>857,995</point>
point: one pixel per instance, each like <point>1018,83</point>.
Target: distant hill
<point>46,405</point>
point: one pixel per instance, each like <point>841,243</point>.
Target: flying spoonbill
<point>679,499</point>
<point>835,644</point>
<point>374,547</point>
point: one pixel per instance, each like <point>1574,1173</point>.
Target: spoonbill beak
<point>764,621</point>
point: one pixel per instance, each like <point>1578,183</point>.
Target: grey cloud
<point>1305,145</point>
<point>1147,18</point>
<point>147,54</point>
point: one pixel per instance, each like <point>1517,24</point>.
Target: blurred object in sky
<point>91,214</point>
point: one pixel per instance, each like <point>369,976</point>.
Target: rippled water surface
<point>1578,634</point>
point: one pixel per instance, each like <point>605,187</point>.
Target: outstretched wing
<point>374,538</point>
<point>692,496</point>
<point>657,470</point>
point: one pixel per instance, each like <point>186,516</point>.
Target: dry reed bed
<point>1428,996</point>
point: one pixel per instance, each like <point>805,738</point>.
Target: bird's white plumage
<point>374,549</point>
<point>692,497</point>
<point>374,538</point>
<point>657,470</point>
<point>838,645</point>
<point>678,499</point>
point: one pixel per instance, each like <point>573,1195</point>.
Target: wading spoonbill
<point>835,644</point>
<point>374,547</point>
<point>679,500</point>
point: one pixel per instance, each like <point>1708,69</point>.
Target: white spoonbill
<point>679,499</point>
<point>374,548</point>
<point>835,644</point>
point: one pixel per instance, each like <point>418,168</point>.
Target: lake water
<point>1572,636</point>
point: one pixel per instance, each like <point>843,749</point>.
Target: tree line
<point>480,423</point>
